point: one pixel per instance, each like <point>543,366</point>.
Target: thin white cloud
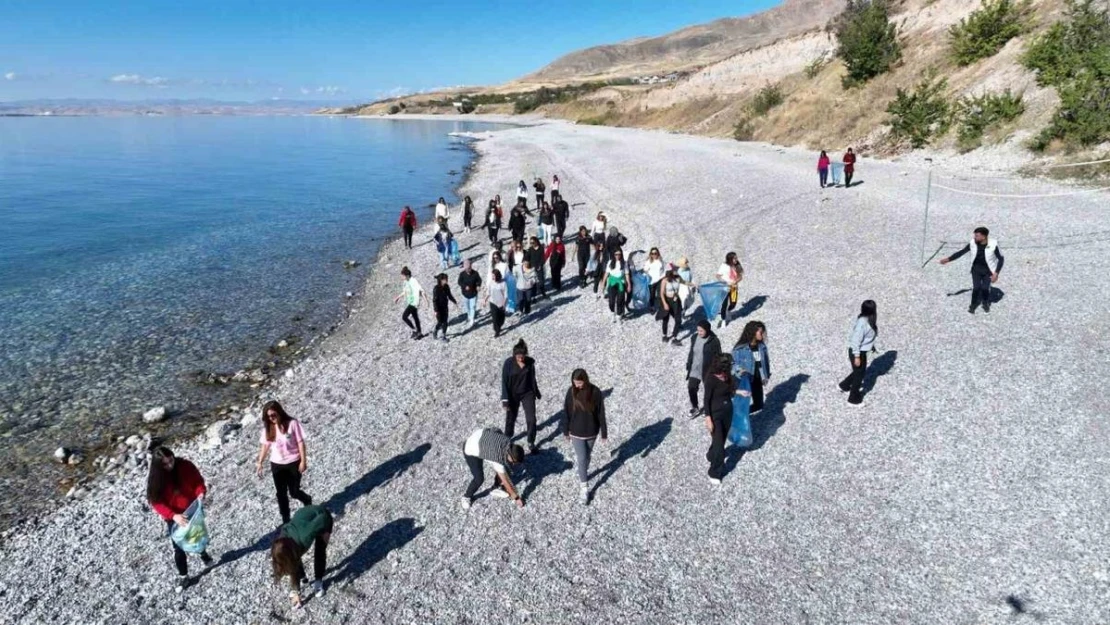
<point>11,76</point>
<point>138,80</point>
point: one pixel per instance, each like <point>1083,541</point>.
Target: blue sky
<point>325,50</point>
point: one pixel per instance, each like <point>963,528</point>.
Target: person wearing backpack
<point>407,222</point>
<point>283,441</point>
<point>172,485</point>
<point>311,527</point>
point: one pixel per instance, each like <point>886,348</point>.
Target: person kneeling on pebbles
<point>310,527</point>
<point>491,446</point>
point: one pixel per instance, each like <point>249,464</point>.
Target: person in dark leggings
<point>984,268</point>
<point>311,527</point>
<point>704,349</point>
<point>283,441</point>
<point>497,296</point>
<point>750,359</point>
<point>719,389</point>
<point>413,295</point>
<point>172,485</point>
<point>556,256</point>
<point>731,273</point>
<point>617,281</point>
<point>407,224</point>
<point>582,422</point>
<point>582,249</point>
<point>520,388</point>
<point>468,212</point>
<point>493,221</point>
<point>860,343</point>
<point>490,446</point>
<point>537,258</point>
<point>670,304</point>
<point>441,295</point>
<point>599,269</point>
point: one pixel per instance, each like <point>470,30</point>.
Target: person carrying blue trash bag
<point>712,298</point>
<point>175,491</point>
<point>444,239</point>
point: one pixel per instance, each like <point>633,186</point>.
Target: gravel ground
<point>970,488</point>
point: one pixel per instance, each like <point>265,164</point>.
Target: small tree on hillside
<point>987,29</point>
<point>868,40</point>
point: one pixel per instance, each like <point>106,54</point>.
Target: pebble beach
<point>970,487</point>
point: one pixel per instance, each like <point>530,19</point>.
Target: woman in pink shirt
<point>283,440</point>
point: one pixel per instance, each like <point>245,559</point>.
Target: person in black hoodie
<point>613,242</point>
<point>582,421</point>
<point>562,214</point>
<point>583,247</point>
<point>704,349</point>
<point>517,224</point>
<point>441,294</point>
<point>519,388</point>
<point>720,386</point>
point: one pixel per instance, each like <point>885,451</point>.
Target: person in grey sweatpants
<point>582,422</point>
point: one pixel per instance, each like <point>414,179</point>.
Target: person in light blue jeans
<point>469,283</point>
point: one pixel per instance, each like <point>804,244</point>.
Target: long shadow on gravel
<point>766,422</point>
<point>377,476</point>
<point>391,536</point>
<point>751,306</point>
<point>642,443</point>
<point>227,557</point>
<point>545,462</point>
<point>879,367</point>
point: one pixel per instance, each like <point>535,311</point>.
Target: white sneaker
<point>584,495</point>
<point>714,481</point>
<point>318,588</point>
<point>465,502</point>
<point>499,494</point>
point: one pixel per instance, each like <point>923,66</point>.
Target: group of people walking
<point>847,164</point>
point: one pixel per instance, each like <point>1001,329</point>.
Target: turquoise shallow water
<point>135,251</point>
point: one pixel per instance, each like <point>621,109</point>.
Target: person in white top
<point>554,188</point>
<point>522,194</point>
<point>598,228</point>
<point>654,268</point>
<point>441,210</point>
<point>731,273</point>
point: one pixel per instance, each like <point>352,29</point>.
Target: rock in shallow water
<point>154,415</point>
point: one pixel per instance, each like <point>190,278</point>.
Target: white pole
<point>925,226</point>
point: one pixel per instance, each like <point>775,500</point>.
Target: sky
<point>326,50</point>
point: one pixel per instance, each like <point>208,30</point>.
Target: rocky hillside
<point>689,48</point>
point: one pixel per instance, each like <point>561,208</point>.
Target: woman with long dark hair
<point>654,268</point>
<point>823,168</point>
<point>556,256</point>
<point>599,268</point>
<point>731,273</point>
<point>617,281</point>
<point>522,195</point>
<point>517,223</point>
<point>537,257</point>
<point>670,304</point>
<point>751,362</point>
<point>283,440</point>
<point>720,386</point>
<point>860,343</point>
<point>582,422</point>
<point>582,246</point>
<point>407,222</point>
<point>311,526</point>
<point>468,212</point>
<point>493,221</point>
<point>497,295</point>
<point>172,485</point>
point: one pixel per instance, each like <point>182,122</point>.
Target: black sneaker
<point>675,341</point>
<point>532,449</point>
<point>694,412</point>
<point>665,339</point>
<point>206,559</point>
<point>971,309</point>
<point>986,308</point>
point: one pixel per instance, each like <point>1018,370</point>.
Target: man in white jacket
<point>984,269</point>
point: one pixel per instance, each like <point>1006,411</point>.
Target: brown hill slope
<point>691,47</point>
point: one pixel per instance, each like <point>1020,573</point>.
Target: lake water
<point>137,251</point>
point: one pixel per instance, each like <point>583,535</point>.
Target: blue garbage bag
<point>740,433</point>
<point>712,296</point>
<point>456,258</point>
<point>835,173</point>
<point>193,538</point>
<point>641,288</point>
<point>510,286</point>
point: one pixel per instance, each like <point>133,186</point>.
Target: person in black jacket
<point>613,242</point>
<point>582,421</point>
<point>535,255</point>
<point>720,386</point>
<point>562,214</point>
<point>582,248</point>
<point>493,221</point>
<point>703,350</point>
<point>517,223</point>
<point>519,388</point>
<point>441,294</point>
<point>469,283</point>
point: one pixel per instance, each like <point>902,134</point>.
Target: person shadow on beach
<point>766,422</point>
<point>390,537</point>
<point>378,476</point>
<point>646,440</point>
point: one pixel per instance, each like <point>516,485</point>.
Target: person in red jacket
<point>556,257</point>
<point>849,167</point>
<point>171,487</point>
<point>407,222</point>
<point>823,168</point>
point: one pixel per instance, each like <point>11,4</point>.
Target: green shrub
<point>977,113</point>
<point>983,33</point>
<point>814,67</point>
<point>922,114</point>
<point>868,41</point>
<point>394,109</point>
<point>1074,56</point>
<point>768,98</point>
<point>743,130</point>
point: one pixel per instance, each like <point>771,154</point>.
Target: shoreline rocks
<point>155,415</point>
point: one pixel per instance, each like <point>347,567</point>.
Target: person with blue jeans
<point>443,240</point>
<point>469,283</point>
<point>750,361</point>
<point>860,343</point>
<point>984,268</point>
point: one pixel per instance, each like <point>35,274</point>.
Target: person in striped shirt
<point>491,446</point>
